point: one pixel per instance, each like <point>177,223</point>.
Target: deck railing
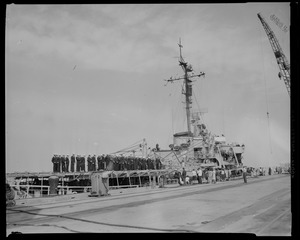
<point>39,190</point>
<point>25,191</point>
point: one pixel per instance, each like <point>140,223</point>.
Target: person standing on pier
<point>213,175</point>
<point>245,174</point>
<point>209,173</point>
<point>205,175</point>
<point>199,175</point>
<point>227,174</point>
<point>194,175</point>
<point>183,176</point>
<point>223,176</point>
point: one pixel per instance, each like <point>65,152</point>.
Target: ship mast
<point>187,69</point>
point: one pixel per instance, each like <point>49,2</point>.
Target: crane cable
<point>266,93</point>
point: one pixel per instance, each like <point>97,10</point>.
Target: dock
<point>225,207</point>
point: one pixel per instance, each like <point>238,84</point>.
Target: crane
<point>282,62</point>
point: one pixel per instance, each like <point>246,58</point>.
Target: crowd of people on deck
<point>79,163</point>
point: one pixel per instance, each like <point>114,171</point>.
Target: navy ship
<point>197,146</point>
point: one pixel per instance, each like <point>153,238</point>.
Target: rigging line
<point>173,110</point>
<point>182,100</point>
<point>196,100</point>
<point>202,118</point>
<point>172,119</point>
<point>130,146</point>
<point>202,115</point>
<point>223,120</point>
<point>191,148</point>
<point>174,153</point>
<point>199,88</point>
<point>166,155</point>
<point>266,93</point>
<point>177,108</point>
<point>173,105</point>
<point>172,123</point>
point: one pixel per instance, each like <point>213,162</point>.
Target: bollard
<point>53,183</point>
<point>161,181</point>
<point>100,184</point>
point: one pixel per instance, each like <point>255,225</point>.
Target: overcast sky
<point>88,79</point>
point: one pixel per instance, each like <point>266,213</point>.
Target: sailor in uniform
<point>89,162</point>
<point>158,163</point>
<point>54,162</point>
<point>82,163</point>
<point>78,163</point>
<point>67,161</point>
<point>94,162</point>
<point>148,160</point>
<point>98,162</point>
<point>63,163</point>
<point>102,162</point>
<point>72,163</point>
<point>58,161</point>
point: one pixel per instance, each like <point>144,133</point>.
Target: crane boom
<point>282,62</point>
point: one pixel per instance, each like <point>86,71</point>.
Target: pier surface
<point>262,206</point>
